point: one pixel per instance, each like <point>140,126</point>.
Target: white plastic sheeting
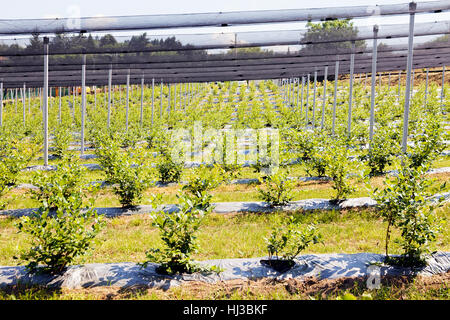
<point>126,275</point>
<point>232,207</point>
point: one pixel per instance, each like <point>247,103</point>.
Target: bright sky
<point>59,8</point>
<point>90,8</point>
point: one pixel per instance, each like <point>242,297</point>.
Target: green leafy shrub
<point>381,152</point>
<point>316,165</point>
<point>56,189</point>
<point>427,142</point>
<point>289,238</point>
<point>61,142</point>
<point>128,171</point>
<point>62,228</point>
<point>200,183</point>
<point>169,170</point>
<point>178,232</point>
<point>277,189</point>
<point>131,137</point>
<point>4,188</point>
<point>403,203</point>
<point>156,139</point>
<point>304,143</point>
<point>15,155</point>
<point>338,169</point>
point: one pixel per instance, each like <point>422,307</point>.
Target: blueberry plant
<point>126,170</point>
<point>63,227</point>
<point>404,204</point>
<point>288,238</point>
<point>276,189</point>
<point>178,233</point>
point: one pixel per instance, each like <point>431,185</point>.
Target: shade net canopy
<point>221,56</point>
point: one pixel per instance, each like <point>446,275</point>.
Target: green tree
<point>327,36</point>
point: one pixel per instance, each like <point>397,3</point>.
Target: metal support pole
<point>15,92</point>
<point>153,99</point>
<point>73,102</point>
<point>120,94</point>
<point>412,8</point>
<point>169,98</point>
<point>161,98</point>
<point>45,102</point>
<point>83,101</point>
<point>324,97</point>
<point>181,96</point>
<point>336,76</point>
<point>289,91</point>
<point>389,81</point>
<point>109,95</point>
<point>298,92</point>
<point>185,96</point>
<point>443,88</point>
<point>23,102</point>
<point>372,90</point>
<point>1,104</point>
<point>314,101</point>
<point>127,102</point>
<point>426,88</point>
<point>142,101</point>
<point>307,99</point>
<point>29,100</point>
<point>59,106</point>
<point>175,97</point>
<point>301,96</point>
<point>113,98</point>
<point>352,67</point>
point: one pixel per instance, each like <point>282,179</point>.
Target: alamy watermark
<point>210,146</point>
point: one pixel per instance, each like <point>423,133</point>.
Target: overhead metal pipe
<point>216,19</point>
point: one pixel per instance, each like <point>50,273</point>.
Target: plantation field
<point>131,162</point>
<point>230,236</point>
<point>238,236</point>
